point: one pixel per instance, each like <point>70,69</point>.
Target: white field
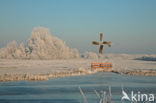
<point>45,69</point>
<point>42,49</point>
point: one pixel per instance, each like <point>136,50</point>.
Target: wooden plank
<point>95,65</point>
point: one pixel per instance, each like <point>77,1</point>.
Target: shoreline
<point>40,77</point>
<point>137,72</point>
<point>15,70</point>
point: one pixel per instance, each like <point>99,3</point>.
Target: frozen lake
<point>65,90</point>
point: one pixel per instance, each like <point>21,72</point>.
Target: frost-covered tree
<point>90,55</point>
<point>9,51</point>
<point>41,45</point>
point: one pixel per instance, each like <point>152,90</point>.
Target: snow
<point>90,55</point>
<point>147,58</point>
<point>45,56</point>
<point>45,69</point>
<point>41,45</point>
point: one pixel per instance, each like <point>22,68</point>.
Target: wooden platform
<point>105,66</point>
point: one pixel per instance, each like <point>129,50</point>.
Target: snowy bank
<point>46,69</point>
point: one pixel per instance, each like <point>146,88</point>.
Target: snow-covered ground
<point>41,66</point>
<point>45,69</point>
<point>44,56</point>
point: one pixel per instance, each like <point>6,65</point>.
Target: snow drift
<point>41,45</point>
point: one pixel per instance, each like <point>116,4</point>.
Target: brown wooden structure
<point>101,65</point>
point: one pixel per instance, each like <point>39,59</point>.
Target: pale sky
<point>129,24</point>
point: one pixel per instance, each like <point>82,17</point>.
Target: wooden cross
<point>101,43</point>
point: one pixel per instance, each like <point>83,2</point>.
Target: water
<point>65,90</point>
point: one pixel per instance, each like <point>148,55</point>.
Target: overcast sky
<point>129,24</point>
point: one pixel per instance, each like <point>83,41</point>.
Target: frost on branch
<point>41,45</point>
<point>90,55</point>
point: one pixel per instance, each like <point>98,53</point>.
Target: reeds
<point>102,97</point>
<point>32,77</point>
<point>77,72</point>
